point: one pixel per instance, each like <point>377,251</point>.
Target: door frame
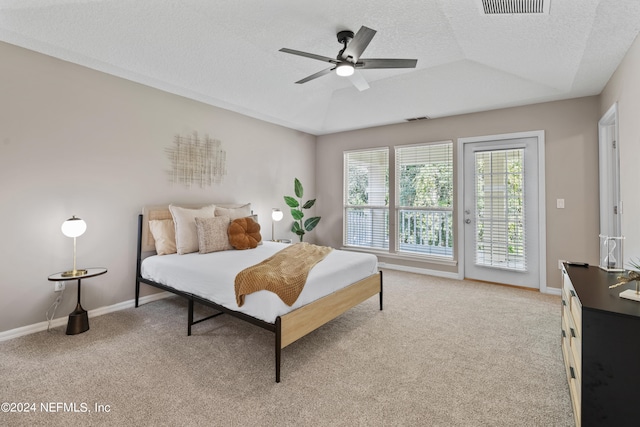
<point>609,173</point>
<point>542,218</point>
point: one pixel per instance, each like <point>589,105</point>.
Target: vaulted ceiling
<point>226,52</point>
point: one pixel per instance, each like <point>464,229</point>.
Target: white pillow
<point>185,223</point>
<point>234,212</point>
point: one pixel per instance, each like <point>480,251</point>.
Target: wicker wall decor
<point>196,161</point>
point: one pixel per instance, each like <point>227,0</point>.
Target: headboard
<point>162,212</point>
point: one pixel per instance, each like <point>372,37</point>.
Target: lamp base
<point>630,294</point>
<point>73,273</point>
<point>78,321</point>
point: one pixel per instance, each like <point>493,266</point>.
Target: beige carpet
<point>442,353</point>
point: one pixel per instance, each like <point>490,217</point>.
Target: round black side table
<point>78,319</point>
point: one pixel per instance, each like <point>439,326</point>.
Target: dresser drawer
<point>575,346</point>
<point>573,342</point>
<point>565,332</point>
<point>566,291</point>
<point>572,374</point>
<point>570,299</point>
<point>573,381</point>
<point>576,311</point>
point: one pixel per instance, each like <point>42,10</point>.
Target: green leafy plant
<point>295,203</point>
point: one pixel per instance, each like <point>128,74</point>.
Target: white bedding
<point>212,276</point>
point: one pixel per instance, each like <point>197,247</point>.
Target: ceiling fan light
<point>345,69</point>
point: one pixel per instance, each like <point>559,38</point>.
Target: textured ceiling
<point>225,52</point>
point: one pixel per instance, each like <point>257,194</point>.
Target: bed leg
<point>137,292</point>
<point>190,318</point>
<point>138,259</point>
<point>278,347</point>
<point>380,290</point>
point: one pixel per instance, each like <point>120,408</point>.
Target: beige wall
<point>571,170</point>
<point>77,141</point>
<point>74,141</point>
<point>624,88</point>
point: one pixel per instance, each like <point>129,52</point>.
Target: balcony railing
<point>425,231</point>
<point>368,227</point>
<point>420,231</point>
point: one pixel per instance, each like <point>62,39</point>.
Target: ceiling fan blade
<point>386,63</point>
<point>359,43</point>
<point>316,75</point>
<point>359,81</point>
<point>309,55</point>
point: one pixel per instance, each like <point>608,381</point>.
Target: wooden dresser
<point>601,347</point>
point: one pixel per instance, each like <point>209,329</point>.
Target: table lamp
<point>276,215</point>
<point>74,227</point>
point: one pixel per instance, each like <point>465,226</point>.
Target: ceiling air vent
<point>498,7</point>
<point>415,119</point>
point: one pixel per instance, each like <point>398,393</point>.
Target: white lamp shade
<point>73,227</point>
<point>276,214</point>
<point>344,69</point>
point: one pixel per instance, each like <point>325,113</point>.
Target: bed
<point>341,281</point>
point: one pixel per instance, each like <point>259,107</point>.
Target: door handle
<point>467,221</point>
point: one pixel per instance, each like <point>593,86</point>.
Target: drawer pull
<point>564,334</point>
<point>573,373</point>
<point>573,293</point>
<point>573,332</point>
<point>564,302</point>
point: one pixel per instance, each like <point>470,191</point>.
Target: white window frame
<point>429,251</point>
<point>377,234</point>
<point>393,234</point>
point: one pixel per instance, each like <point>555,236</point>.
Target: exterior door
<point>501,212</point>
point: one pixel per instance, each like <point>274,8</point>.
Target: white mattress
<point>212,276</point>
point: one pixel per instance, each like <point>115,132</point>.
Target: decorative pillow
<point>212,234</point>
<point>244,233</point>
<point>235,212</point>
<point>164,234</point>
<point>185,224</point>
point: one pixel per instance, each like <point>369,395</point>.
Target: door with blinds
<point>500,214</point>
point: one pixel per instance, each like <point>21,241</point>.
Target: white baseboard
<point>417,270</point>
<point>552,291</point>
<point>42,326</point>
<point>447,275</point>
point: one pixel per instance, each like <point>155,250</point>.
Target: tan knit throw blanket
<point>284,273</point>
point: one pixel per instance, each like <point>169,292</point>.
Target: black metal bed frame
<point>192,298</point>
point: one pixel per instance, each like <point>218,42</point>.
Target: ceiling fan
<point>349,60</point>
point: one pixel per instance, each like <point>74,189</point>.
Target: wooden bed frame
<point>287,328</point>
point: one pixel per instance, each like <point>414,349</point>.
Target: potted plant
<point>295,203</point>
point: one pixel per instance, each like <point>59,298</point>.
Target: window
<point>422,177</point>
<point>424,193</point>
<point>366,198</point>
<point>500,218</point>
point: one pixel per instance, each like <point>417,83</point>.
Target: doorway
<point>502,219</point>
<point>609,158</point>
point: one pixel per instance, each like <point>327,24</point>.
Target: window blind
<point>424,194</point>
<point>500,214</point>
<point>366,198</point>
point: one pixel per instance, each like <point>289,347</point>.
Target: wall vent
<point>498,7</point>
<point>414,119</point>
